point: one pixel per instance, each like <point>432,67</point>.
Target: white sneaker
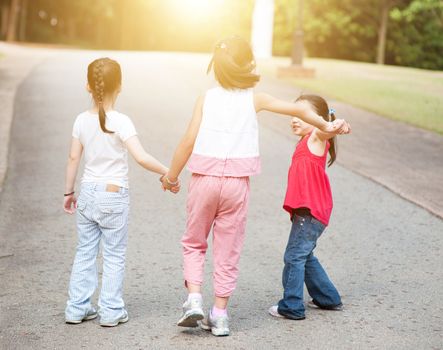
<point>273,311</point>
<point>112,323</point>
<point>219,326</point>
<point>90,315</point>
<point>192,312</point>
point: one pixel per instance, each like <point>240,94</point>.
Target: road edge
<point>15,66</point>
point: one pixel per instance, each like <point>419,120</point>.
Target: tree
<point>385,6</point>
<point>382,30</point>
<point>359,30</point>
<point>416,36</point>
<point>11,32</point>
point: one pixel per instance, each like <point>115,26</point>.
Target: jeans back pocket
<point>112,215</point>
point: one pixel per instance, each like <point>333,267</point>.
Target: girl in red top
<point>309,202</point>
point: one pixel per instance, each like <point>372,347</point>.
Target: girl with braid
<point>104,136</point>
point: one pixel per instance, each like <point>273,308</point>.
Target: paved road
<point>16,64</point>
<point>383,252</point>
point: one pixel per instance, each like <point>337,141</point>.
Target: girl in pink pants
<point>221,144</point>
<point>221,202</point>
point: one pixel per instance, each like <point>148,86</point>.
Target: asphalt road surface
<point>382,252</point>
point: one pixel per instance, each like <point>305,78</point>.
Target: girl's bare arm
<point>299,109</point>
<point>75,155</point>
<point>186,145</point>
<point>324,136</point>
<point>144,159</point>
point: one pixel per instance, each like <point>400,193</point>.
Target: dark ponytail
<point>104,78</point>
<point>322,109</point>
<point>332,144</point>
<point>234,64</point>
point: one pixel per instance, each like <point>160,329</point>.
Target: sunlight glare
<point>198,8</point>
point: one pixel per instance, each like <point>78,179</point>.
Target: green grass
<point>411,95</point>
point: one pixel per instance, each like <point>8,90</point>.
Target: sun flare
<point>198,8</point>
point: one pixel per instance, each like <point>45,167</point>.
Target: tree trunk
<point>297,43</point>
<point>4,21</point>
<point>123,14</point>
<point>382,31</point>
<point>23,20</point>
<point>11,33</point>
<point>71,29</point>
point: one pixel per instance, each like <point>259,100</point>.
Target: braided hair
<point>234,64</point>
<point>104,78</point>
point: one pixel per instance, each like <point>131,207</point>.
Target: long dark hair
<point>321,108</point>
<point>104,78</point>
<point>233,63</point>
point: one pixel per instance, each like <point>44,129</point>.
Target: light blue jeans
<point>101,216</point>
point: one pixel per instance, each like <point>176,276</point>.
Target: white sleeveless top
<point>227,141</point>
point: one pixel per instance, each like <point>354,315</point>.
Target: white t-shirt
<point>106,157</point>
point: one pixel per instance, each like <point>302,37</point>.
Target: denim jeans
<point>301,266</point>
<point>101,216</point>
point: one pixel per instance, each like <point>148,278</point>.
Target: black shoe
<point>314,305</point>
<point>295,318</point>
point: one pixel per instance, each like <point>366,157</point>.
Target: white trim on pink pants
<point>220,202</point>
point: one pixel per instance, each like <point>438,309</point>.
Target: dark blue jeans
<point>301,266</point>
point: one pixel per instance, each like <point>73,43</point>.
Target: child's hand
<point>174,187</point>
<point>343,126</point>
<point>339,126</point>
<point>70,204</point>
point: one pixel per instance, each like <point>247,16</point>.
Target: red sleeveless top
<point>308,183</point>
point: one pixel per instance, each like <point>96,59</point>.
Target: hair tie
<point>331,112</point>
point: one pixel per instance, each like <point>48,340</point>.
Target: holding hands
<point>338,126</point>
<point>167,184</point>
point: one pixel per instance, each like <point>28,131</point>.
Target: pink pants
<point>220,202</point>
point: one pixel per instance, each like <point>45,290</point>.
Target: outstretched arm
<point>147,161</point>
<point>75,154</point>
<point>186,145</point>
<point>299,109</point>
<point>344,128</point>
